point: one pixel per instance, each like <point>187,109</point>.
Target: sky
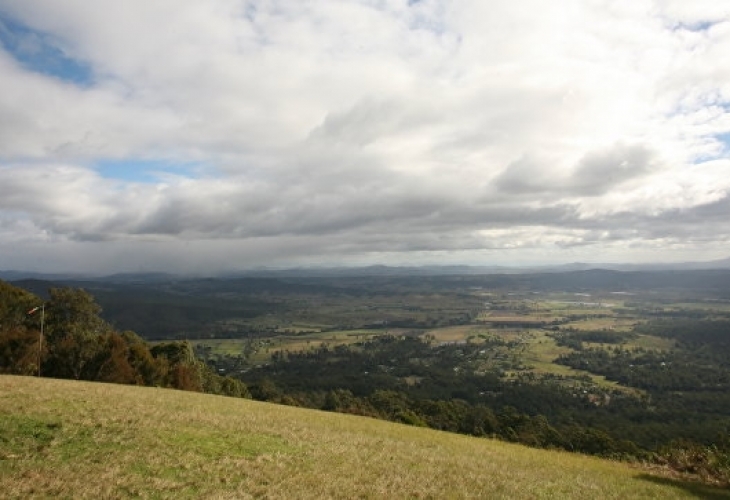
<point>221,135</point>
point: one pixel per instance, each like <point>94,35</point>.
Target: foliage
<point>18,351</point>
<point>711,463</point>
<point>78,344</point>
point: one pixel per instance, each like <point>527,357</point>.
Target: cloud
<point>596,173</point>
<point>356,131</point>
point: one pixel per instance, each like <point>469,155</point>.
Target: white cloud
<point>360,130</point>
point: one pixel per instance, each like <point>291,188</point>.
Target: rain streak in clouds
<point>229,134</point>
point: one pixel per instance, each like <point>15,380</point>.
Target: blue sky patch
<point>41,53</point>
<point>145,171</point>
<point>725,139</point>
<point>696,26</point>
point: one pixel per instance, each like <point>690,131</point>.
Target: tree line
<point>78,344</point>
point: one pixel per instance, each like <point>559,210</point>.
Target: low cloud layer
<point>248,134</point>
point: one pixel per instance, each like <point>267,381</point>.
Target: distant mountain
<point>140,278</point>
<point>375,270</point>
<point>659,266</point>
<point>465,270</point>
<point>30,275</point>
<point>111,278</point>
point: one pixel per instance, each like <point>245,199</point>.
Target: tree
<point>73,330</point>
<point>18,351</point>
<point>79,344</point>
<point>18,331</point>
<point>112,362</point>
<point>184,371</point>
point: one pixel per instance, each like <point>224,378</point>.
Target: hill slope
<point>90,440</point>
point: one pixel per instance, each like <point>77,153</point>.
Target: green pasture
<point>265,347</point>
<point>70,439</point>
<point>650,342</point>
<point>705,306</point>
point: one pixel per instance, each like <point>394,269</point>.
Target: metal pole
<point>40,337</point>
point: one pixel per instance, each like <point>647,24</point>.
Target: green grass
<point>70,439</point>
<point>607,323</point>
<point>305,341</point>
<point>456,333</point>
<point>650,342</point>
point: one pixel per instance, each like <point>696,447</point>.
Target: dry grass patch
<point>456,333</point>
<point>651,342</point>
<point>605,323</point>
<point>84,440</point>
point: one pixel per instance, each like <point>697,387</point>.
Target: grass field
<point>305,341</point>
<point>70,439</point>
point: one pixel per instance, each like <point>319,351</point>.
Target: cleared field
<point>83,440</point>
<point>718,306</point>
<point>619,325</point>
<point>650,342</point>
<point>456,333</point>
<point>540,352</point>
<point>504,316</point>
<point>264,348</point>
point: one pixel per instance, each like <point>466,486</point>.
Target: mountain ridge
<point>371,270</point>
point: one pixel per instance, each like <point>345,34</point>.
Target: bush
<point>709,463</point>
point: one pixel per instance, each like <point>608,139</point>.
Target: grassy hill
<point>89,440</point>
